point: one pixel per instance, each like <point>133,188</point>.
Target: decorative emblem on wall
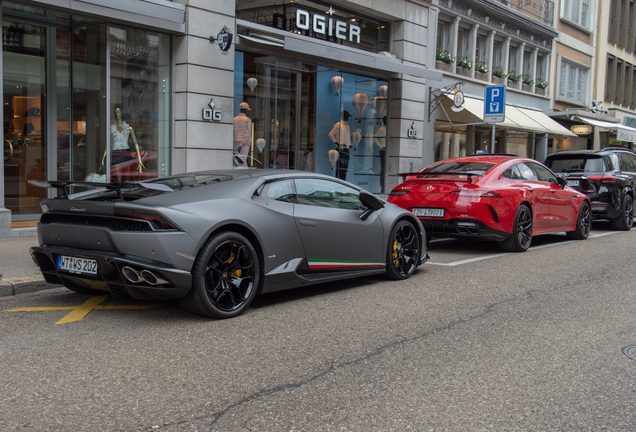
<point>223,39</point>
<point>211,113</point>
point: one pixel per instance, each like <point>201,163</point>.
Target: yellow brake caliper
<point>236,273</point>
<point>395,254</point>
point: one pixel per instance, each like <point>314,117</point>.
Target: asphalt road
<point>476,340</point>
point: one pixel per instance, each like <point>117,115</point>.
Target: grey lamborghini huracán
<point>216,239</point>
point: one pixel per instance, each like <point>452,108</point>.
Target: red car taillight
<point>399,192</point>
<point>602,179</point>
<point>158,222</point>
<point>476,193</point>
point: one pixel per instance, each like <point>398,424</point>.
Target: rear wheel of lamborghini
<point>403,251</point>
<point>225,277</point>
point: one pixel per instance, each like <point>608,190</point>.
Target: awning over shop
<point>519,118</point>
<point>623,133</point>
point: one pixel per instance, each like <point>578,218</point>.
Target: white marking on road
<point>485,257</point>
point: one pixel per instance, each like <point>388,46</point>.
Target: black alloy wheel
<point>626,220</point>
<point>583,223</point>
<point>226,277</point>
<point>403,251</point>
<point>521,237</point>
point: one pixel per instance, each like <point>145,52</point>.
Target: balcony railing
<point>542,10</point>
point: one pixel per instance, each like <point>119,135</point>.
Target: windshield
<point>575,163</point>
<point>474,168</point>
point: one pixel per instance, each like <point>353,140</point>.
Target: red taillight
<point>602,179</point>
<point>157,221</point>
<point>399,192</point>
<point>477,193</point>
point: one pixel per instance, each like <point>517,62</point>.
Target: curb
<point>22,285</point>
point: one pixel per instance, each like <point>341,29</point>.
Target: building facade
<point>485,43</point>
<point>103,91</point>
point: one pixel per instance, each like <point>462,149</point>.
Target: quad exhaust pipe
<point>147,276</point>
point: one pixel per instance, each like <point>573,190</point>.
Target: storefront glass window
<point>291,115</point>
<point>139,104</point>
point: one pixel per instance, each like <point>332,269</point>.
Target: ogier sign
<point>320,24</point>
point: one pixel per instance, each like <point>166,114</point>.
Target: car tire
<point>583,223</point>
<point>626,220</point>
<point>403,251</point>
<point>225,277</point>
<point>521,237</point>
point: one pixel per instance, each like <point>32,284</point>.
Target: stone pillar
<point>454,44</point>
<point>473,48</point>
<point>541,147</point>
<point>455,145</point>
<point>491,48</point>
<point>433,17</point>
<point>520,53</point>
<point>202,73</point>
<point>470,140</point>
<point>506,58</point>
<point>534,68</point>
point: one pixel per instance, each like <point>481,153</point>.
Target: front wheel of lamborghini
<point>403,251</point>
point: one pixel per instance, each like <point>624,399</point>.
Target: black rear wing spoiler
<point>446,173</point>
<point>116,186</point>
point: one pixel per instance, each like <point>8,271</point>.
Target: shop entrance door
<point>24,90</point>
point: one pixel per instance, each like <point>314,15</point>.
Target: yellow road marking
<point>79,312</point>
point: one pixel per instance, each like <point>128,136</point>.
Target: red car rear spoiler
<point>469,176</point>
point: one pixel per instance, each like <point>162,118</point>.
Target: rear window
<point>575,163</point>
<point>474,168</point>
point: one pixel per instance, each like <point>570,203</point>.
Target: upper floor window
<point>573,82</point>
<point>578,12</point>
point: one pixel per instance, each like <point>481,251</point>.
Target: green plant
<point>498,72</point>
<point>481,67</point>
<point>527,80</point>
<point>465,63</point>
<point>444,56</point>
<point>514,77</point>
<point>541,84</point>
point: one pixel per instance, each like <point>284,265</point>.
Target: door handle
<point>10,150</point>
<point>552,191</point>
<point>530,189</point>
<point>308,223</point>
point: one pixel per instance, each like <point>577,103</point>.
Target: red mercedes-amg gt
<point>496,197</point>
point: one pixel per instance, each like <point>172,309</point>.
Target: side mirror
<point>562,182</point>
<point>371,202</point>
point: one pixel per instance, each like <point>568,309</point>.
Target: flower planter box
<point>481,76</point>
<point>512,84</point>
<point>526,87</point>
<point>497,80</point>
<point>440,65</point>
<point>539,91</point>
<point>462,71</point>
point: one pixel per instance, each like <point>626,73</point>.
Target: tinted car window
<point>544,174</point>
<point>526,172</point>
<point>512,173</point>
<point>626,162</point>
<point>282,190</point>
<point>575,163</point>
<point>326,193</point>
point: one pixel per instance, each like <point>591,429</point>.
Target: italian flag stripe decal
<point>316,264</point>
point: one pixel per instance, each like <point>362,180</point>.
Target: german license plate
<point>77,265</point>
<point>573,182</point>
<point>428,212</point>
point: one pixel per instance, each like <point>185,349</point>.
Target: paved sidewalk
<point>19,273</point>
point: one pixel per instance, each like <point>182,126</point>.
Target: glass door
<point>24,90</point>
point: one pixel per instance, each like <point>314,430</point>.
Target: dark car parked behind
<point>606,176</point>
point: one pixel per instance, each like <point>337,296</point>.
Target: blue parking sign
<point>495,104</point>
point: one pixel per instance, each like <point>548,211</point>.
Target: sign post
<point>494,109</point>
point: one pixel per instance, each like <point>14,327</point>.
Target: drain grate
<point>630,352</point>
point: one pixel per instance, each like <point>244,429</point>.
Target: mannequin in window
<point>120,131</point>
<point>340,135</point>
<point>242,136</point>
<point>380,140</point>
